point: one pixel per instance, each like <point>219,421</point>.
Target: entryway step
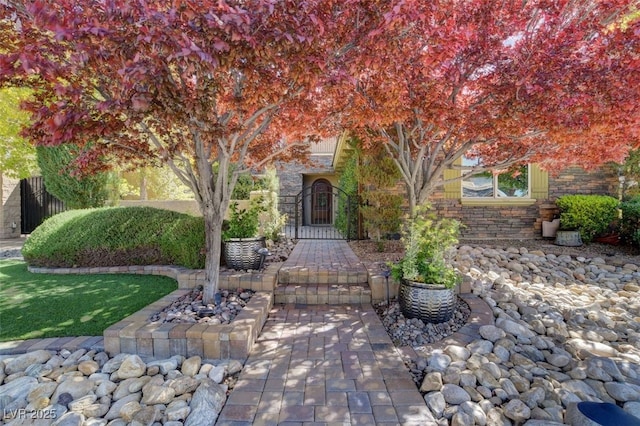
<point>322,294</point>
<point>323,274</point>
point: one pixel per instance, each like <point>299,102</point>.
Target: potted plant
<point>427,279</point>
<point>242,245</point>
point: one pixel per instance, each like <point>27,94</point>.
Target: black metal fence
<point>326,213</point>
<point>36,204</point>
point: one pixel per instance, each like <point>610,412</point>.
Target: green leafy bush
<point>243,223</point>
<point>272,220</point>
<point>589,214</point>
<point>630,222</point>
<point>381,206</point>
<point>428,242</point>
<point>347,212</point>
<point>117,236</point>
<point>76,192</point>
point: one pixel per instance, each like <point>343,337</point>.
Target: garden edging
<point>186,278</point>
<point>135,334</point>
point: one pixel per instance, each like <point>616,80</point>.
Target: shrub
<point>242,223</point>
<point>243,188</point>
<point>117,236</point>
<point>589,214</point>
<point>347,211</point>
<point>76,192</point>
<point>382,207</point>
<point>630,223</point>
<point>272,221</point>
<point>428,241</point>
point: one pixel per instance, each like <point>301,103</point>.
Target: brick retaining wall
<point>186,278</point>
<point>136,334</point>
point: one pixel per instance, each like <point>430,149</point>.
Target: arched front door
<point>321,202</point>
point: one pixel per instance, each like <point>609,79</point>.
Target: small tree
<point>212,88</point>
<point>630,175</point>
<point>75,191</point>
<point>273,221</point>
<point>348,199</point>
<point>506,82</point>
<point>381,207</point>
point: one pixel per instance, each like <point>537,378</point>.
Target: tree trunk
<point>213,245</point>
<point>411,193</point>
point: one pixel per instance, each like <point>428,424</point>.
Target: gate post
<point>9,207</point>
<point>348,218</point>
<point>295,223</point>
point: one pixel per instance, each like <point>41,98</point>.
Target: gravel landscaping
<point>190,308</point>
<point>567,329</point>
<point>413,331</point>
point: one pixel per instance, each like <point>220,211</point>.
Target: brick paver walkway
<point>317,364</point>
<point>324,364</point>
<point>322,261</point>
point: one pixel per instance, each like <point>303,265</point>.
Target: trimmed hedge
<point>589,214</point>
<point>117,236</point>
<point>630,223</point>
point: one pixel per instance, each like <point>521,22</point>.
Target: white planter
<point>549,229</point>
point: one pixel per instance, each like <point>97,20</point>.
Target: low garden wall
<point>187,278</point>
<point>137,335</point>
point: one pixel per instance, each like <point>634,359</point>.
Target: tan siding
<point>452,190</point>
<point>539,183</point>
<point>325,146</point>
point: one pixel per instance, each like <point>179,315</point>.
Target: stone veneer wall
<point>483,222</point>
<point>9,207</point>
<point>291,174</point>
<point>578,181</point>
<point>524,222</point>
<point>136,334</point>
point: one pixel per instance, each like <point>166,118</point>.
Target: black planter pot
<point>432,303</point>
<point>241,253</point>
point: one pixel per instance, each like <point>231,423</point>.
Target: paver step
<point>314,274</point>
<point>322,293</point>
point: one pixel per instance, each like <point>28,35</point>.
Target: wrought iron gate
<point>321,212</point>
<point>36,204</point>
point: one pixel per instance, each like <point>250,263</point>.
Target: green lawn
<point>47,305</point>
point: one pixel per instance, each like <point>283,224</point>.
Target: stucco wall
<point>184,206</point>
<point>9,207</point>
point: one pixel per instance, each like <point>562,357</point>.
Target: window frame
<point>495,187</point>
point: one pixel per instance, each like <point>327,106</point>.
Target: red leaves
<point>140,103</point>
<point>129,72</point>
<point>492,71</point>
<point>475,70</point>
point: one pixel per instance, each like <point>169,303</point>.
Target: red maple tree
<point>213,88</point>
<point>553,82</point>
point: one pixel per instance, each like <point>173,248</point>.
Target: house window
<point>512,183</point>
